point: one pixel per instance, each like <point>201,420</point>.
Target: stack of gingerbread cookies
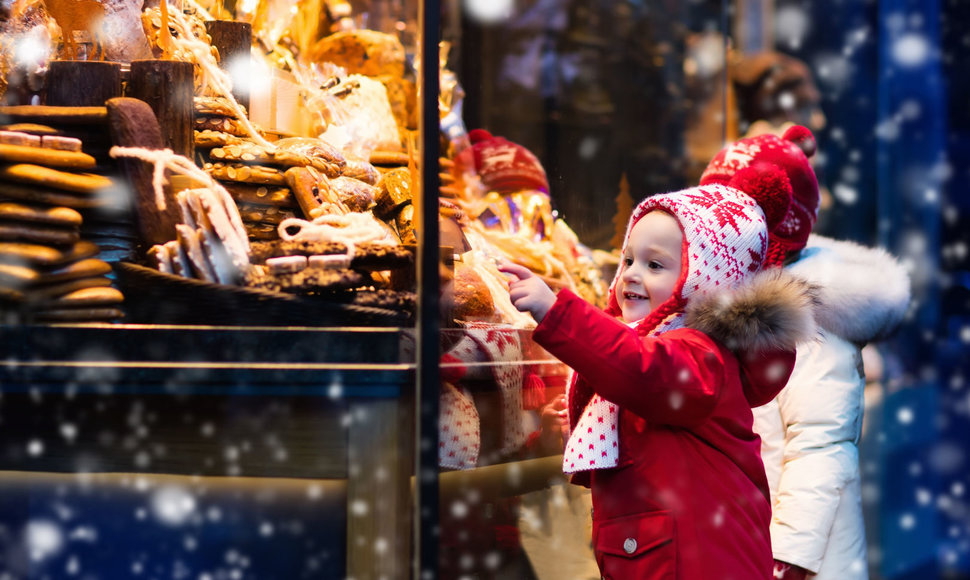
<point>293,177</point>
<point>48,272</point>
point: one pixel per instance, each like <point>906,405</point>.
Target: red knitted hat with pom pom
<point>503,166</point>
<point>746,162</point>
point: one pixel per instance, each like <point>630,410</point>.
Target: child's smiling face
<point>651,265</point>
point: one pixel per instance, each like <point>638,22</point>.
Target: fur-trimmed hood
<point>772,311</point>
<point>761,321</point>
<point>862,293</point>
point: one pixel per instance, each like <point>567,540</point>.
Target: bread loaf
<point>365,52</point>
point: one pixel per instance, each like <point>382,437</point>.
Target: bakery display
<point>314,203</point>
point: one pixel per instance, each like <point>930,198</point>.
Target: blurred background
<point>608,91</point>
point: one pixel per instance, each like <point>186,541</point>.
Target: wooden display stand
<point>82,83</point>
<point>167,86</point>
<point>234,42</point>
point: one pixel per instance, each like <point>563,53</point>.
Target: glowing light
<point>35,447</point>
<point>44,539</point>
<point>248,77</point>
<point>488,11</point>
<point>172,505</point>
<point>911,50</point>
<point>31,51</point>
<point>792,24</point>
<point>905,415</point>
<point>907,521</point>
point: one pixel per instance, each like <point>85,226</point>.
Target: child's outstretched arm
<point>527,291</point>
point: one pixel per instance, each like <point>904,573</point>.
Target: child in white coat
<point>810,431</point>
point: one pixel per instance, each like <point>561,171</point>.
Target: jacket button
<point>629,545</point>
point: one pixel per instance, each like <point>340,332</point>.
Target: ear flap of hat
<point>769,186</point>
<point>801,137</point>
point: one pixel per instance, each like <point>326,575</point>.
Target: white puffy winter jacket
<point>810,431</point>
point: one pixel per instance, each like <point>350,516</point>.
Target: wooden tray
<point>153,297</point>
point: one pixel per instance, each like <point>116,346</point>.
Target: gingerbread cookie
<point>50,196</point>
<point>54,216</point>
<point>49,156</point>
<point>219,106</point>
<point>388,299</point>
<point>260,174</point>
<point>58,289</point>
<point>261,194</point>
<point>252,153</point>
<point>262,232</point>
<point>225,124</point>
<point>39,175</point>
<point>45,256</point>
<point>270,214</point>
<point>323,156</point>
<point>38,233</point>
<point>208,138</point>
<point>367,257</point>
<point>309,280</point>
<point>17,276</point>
<point>80,269</point>
<point>180,261</point>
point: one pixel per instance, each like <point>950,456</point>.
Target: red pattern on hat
<point>502,165</point>
<point>765,154</point>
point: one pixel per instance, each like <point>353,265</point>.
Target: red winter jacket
<point>689,499</point>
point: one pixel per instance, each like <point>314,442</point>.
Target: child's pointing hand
<point>527,291</point>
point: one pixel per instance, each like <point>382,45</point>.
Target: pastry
<point>310,188</point>
<point>207,138</point>
<point>281,197</point>
<point>363,171</point>
<point>356,195</point>
<point>260,174</point>
<point>212,105</point>
<point>472,299</point>
<point>362,51</point>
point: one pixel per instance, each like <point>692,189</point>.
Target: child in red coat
<point>665,379</point>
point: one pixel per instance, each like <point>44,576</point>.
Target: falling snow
<point>892,176</point>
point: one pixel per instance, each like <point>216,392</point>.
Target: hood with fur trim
<point>760,320</point>
<point>863,293</point>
